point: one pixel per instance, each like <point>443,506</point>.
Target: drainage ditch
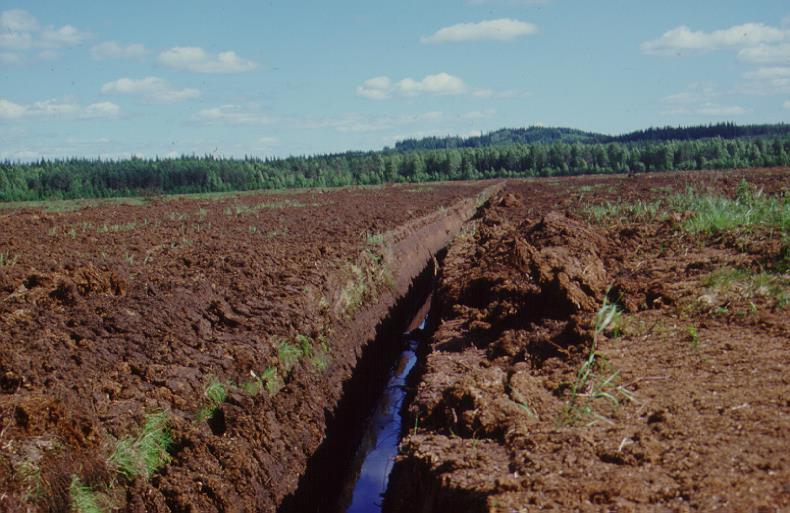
<point>349,471</point>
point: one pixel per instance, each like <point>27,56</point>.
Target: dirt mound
<point>544,277</point>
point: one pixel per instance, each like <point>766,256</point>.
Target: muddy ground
<point>529,400</point>
<point>233,314</point>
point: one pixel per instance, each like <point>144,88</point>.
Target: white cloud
<point>786,104</point>
<point>682,39</point>
<point>233,115</point>
<point>20,31</point>
<point>192,58</point>
<point>57,109</point>
<point>504,29</point>
<point>767,81</point>
<point>376,88</point>
<point>17,20</point>
<point>16,40</point>
<point>112,50</point>
<point>11,110</point>
<point>66,35</point>
<point>151,88</point>
<point>102,110</point>
<point>766,53</point>
<point>382,87</point>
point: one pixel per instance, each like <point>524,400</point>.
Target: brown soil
<point>111,312</point>
<point>686,408</point>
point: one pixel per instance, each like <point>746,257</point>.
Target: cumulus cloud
<point>102,110</point>
<point>766,53</point>
<point>382,87</point>
<point>66,35</point>
<point>17,20</point>
<point>11,110</point>
<point>112,50</point>
<point>150,88</point>
<point>192,58</point>
<point>56,109</point>
<point>20,32</point>
<point>767,81</point>
<point>233,115</point>
<point>503,29</point>
<point>683,38</point>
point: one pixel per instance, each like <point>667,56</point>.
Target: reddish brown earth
<point>115,311</point>
<point>688,405</point>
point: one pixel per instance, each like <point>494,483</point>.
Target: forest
<point>550,152</point>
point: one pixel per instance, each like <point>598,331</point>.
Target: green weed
<point>288,355</point>
<point>31,477</point>
<point>747,285</point>
<point>376,239</point>
<point>305,345</point>
<point>595,379</point>
<point>144,454</point>
<point>215,393</point>
<point>83,499</point>
<point>693,336</point>
<point>252,386</point>
<point>271,380</point>
<point>320,357</point>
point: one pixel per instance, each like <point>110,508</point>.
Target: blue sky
<point>278,78</point>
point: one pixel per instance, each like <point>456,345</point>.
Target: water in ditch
<point>376,453</point>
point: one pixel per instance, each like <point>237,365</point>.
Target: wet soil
<point>684,406</point>
<point>112,312</point>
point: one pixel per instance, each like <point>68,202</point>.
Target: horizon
<point>279,80</point>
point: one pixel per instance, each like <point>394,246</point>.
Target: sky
<point>274,78</point>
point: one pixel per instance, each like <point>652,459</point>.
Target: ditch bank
<point>239,330</point>
<point>371,340</point>
<point>515,304</point>
<point>600,366</point>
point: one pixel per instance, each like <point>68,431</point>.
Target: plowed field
<point>597,350</point>
<point>231,314</point>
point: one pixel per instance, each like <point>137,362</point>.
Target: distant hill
<point>548,135</point>
<point>503,136</point>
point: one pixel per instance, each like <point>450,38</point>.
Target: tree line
<point>540,134</point>
<point>95,178</point>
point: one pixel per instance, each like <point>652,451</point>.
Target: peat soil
<point>113,311</point>
<point>528,401</point>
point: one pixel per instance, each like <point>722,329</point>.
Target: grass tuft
<point>83,499</point>
<point>289,354</point>
<point>271,380</point>
<point>144,454</point>
<point>215,393</point>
